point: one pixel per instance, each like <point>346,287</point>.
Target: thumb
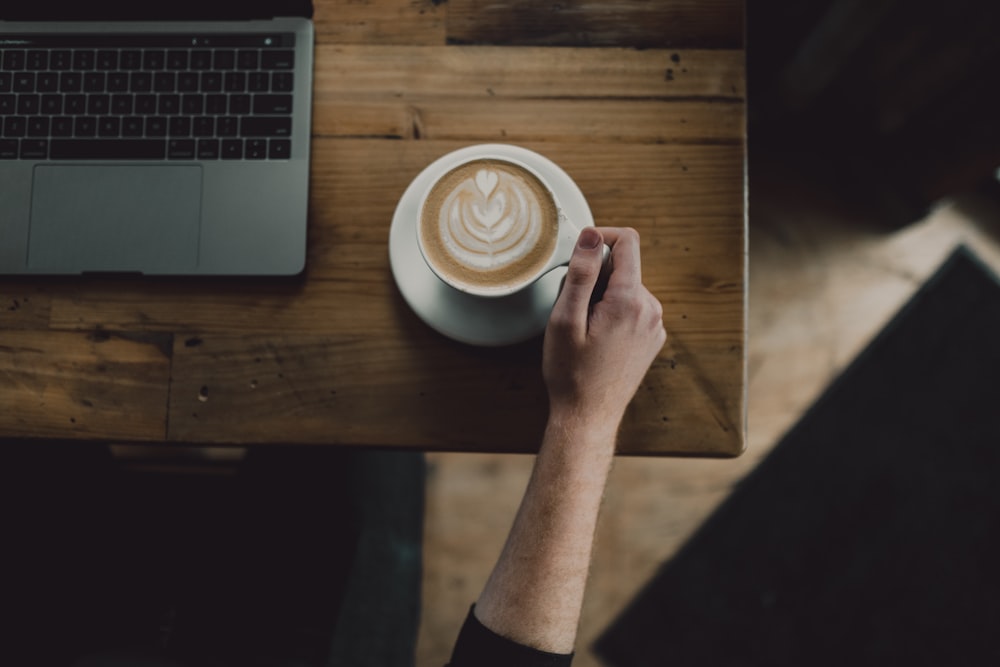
<point>573,304</point>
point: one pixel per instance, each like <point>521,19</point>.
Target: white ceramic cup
<point>560,254</point>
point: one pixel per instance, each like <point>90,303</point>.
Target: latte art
<point>489,223</point>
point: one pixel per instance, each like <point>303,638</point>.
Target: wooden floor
<point>823,281</point>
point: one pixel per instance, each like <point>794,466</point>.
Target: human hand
<point>597,352</point>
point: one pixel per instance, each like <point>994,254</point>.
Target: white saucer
<point>471,319</point>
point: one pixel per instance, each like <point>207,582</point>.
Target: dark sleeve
<point>478,646</point>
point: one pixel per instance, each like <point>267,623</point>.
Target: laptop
<point>167,137</point>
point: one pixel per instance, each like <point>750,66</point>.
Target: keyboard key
<point>98,105</point>
<point>52,105</point>
<point>208,149</point>
<point>8,149</point>
<point>280,149</point>
<point>187,82</point>
<point>62,126</point>
<point>259,82</point>
<point>61,59</point>
<point>181,149</point>
<point>93,82</point>
<point>272,104</point>
<point>83,60</point>
<point>224,59</point>
<point>130,60</point>
<point>201,60</point>
<point>74,105</point>
<point>28,105</point>
<point>154,59</point>
<point>15,126</point>
<point>70,82</point>
<point>247,59</point>
<point>192,105</point>
<point>156,126</point>
<point>179,126</point>
<point>6,82</point>
<point>203,126</point>
<point>211,82</point>
<point>145,105</point>
<point>24,82</point>
<point>169,105</point>
<point>108,126</point>
<point>277,59</point>
<point>8,104</point>
<point>121,105</point>
<point>256,149</point>
<point>235,82</point>
<point>13,59</point>
<point>177,60</point>
<point>107,149</point>
<point>282,82</point>
<point>84,126</point>
<point>38,126</point>
<point>164,82</point>
<point>132,126</point>
<point>232,149</point>
<point>117,82</point>
<point>140,82</point>
<point>266,126</point>
<point>215,104</point>
<point>227,126</point>
<point>107,60</point>
<point>47,82</point>
<point>34,149</point>
<point>239,105</point>
<point>37,60</point>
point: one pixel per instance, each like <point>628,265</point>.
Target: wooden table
<point>641,103</point>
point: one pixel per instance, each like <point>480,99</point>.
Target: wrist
<point>589,437</point>
<point>584,423</point>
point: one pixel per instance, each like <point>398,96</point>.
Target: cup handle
<point>569,233</point>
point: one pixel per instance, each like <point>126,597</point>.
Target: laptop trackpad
<point>115,218</point>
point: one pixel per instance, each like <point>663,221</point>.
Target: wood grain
<point>497,94</point>
<point>357,390</point>
<point>655,140</point>
<point>380,22</point>
<point>84,385</point>
<point>637,23</point>
<point>527,72</point>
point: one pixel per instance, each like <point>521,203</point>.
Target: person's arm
<point>595,356</point>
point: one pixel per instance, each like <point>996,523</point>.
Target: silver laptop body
<point>155,147</point>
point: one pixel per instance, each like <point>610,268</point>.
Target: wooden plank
<point>84,385</point>
<point>532,72</point>
<point>356,390</point>
<point>381,22</point>
<point>427,395</point>
<point>484,94</point>
<point>636,23</point>
<point>483,120</point>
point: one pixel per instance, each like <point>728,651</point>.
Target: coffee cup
<point>490,225</point>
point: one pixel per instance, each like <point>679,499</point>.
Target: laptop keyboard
<point>172,97</point>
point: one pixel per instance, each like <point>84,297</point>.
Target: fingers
<point>625,261</point>
<point>572,307</point>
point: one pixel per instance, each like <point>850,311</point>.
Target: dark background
<point>893,102</point>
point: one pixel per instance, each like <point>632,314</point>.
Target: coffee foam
<point>489,224</point>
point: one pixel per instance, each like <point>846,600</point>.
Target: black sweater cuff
<point>478,646</point>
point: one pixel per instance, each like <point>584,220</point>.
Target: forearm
<point>535,593</point>
<point>595,355</point>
